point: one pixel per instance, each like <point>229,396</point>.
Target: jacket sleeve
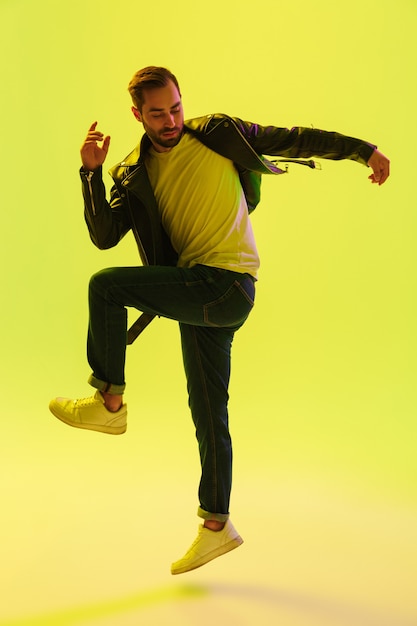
<point>107,222</point>
<point>301,142</point>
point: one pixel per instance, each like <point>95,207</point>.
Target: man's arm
<point>107,222</point>
<point>300,142</point>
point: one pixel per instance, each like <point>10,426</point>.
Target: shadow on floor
<point>71,616</point>
<point>330,611</point>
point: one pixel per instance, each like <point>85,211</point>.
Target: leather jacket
<point>132,204</point>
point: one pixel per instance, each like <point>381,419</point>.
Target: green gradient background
<point>323,394</point>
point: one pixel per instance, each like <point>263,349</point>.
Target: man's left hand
<point>380,166</point>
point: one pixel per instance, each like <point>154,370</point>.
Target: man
<point>186,193</point>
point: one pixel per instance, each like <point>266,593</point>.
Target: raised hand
<point>93,155</point>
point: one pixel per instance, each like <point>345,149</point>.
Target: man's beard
<point>160,140</point>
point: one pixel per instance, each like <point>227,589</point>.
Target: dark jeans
<point>210,304</point>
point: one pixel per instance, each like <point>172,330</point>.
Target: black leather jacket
<point>133,206</point>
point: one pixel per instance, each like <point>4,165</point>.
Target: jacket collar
<point>218,132</point>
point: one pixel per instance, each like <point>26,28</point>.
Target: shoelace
<point>197,539</point>
<point>82,402</point>
<point>201,531</point>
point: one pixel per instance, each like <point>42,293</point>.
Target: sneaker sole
<point>235,543</point>
<point>109,430</point>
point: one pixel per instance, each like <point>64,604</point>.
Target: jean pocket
<point>233,307</point>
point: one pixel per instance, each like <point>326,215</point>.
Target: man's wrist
<point>87,171</point>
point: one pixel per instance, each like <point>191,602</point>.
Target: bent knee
<point>102,280</point>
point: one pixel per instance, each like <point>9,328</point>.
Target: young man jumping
<point>186,193</point>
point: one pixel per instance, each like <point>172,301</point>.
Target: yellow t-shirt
<point>203,207</point>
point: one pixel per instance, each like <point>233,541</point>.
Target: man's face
<point>162,116</point>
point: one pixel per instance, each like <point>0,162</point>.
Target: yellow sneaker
<point>90,413</point>
<point>208,545</point>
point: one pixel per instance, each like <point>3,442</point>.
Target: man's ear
<point>137,114</point>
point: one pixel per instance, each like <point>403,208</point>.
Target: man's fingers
<point>106,143</point>
<point>380,167</point>
<point>381,173</point>
<point>94,136</point>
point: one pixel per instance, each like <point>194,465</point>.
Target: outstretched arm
<point>300,142</point>
<point>380,167</point>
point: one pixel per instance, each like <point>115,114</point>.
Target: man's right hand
<point>93,155</point>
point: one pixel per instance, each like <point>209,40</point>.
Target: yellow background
<point>323,394</point>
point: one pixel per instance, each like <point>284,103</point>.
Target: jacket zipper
<point>90,189</point>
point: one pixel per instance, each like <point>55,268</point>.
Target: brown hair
<point>149,77</point>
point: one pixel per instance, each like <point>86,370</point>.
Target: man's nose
<point>169,120</point>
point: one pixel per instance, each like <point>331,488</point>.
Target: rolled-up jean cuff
<point>218,517</point>
<point>101,385</point>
